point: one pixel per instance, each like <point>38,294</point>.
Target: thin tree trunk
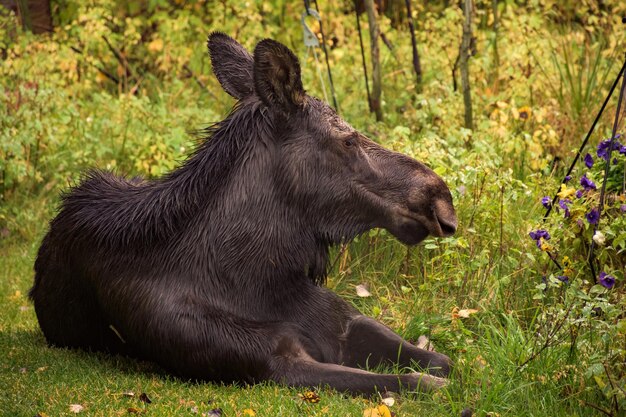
<point>367,85</point>
<point>376,75</point>
<point>496,54</point>
<point>464,62</point>
<point>416,58</point>
<point>35,15</point>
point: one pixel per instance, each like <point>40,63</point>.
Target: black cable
<point>582,147</point>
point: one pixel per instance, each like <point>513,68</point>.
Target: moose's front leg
<point>369,343</point>
<point>293,366</point>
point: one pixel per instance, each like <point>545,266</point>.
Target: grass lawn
<point>38,379</point>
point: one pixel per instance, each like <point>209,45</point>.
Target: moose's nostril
<point>447,228</point>
<point>445,215</point>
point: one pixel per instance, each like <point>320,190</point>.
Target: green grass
<point>486,348</point>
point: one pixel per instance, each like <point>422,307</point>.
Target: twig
<point>608,375</point>
<point>548,342</point>
<point>389,46</point>
<point>198,80</point>
<point>119,56</point>
<point>342,249</point>
<point>100,70</point>
<point>454,68</point>
<point>595,407</point>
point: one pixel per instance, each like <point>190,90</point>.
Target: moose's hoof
<point>427,383</point>
<point>424,343</point>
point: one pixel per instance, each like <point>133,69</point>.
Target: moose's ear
<point>232,65</point>
<point>277,76</point>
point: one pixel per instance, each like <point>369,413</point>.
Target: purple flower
<point>622,150</point>
<point>606,280</point>
<point>588,161</point>
<point>568,178</point>
<point>622,208</point>
<point>563,204</point>
<point>603,148</point>
<point>579,193</point>
<point>546,202</point>
<point>563,278</point>
<point>538,235</point>
<point>593,216</point>
<point>587,183</point>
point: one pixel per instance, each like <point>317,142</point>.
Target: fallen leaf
<point>310,397</point>
<point>424,343</point>
<point>41,414</point>
<point>249,412</point>
<point>465,313</point>
<point>144,398</point>
<point>379,411</point>
<point>128,394</point>
<point>133,410</point>
<point>361,291</point>
<point>389,401</point>
<point>76,408</point>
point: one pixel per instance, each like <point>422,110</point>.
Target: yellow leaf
<point>566,192</point>
<point>156,45</point>
<point>249,412</point>
<point>310,397</point>
<point>379,411</point>
<point>599,381</point>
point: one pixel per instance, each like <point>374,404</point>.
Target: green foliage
<point>120,86</point>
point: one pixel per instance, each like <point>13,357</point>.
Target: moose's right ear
<point>232,65</point>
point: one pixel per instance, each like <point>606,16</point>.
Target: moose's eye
<point>349,142</point>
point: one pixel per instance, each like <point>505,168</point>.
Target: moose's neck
<point>255,232</point>
<point>242,221</point>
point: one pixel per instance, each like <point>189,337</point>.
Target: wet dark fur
<point>214,270</point>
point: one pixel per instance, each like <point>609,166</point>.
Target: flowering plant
<point>578,220</point>
<point>588,302</point>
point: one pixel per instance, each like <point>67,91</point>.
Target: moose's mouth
<point>410,232</point>
<point>411,223</point>
<point>411,228</point>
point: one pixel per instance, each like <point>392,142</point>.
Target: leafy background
<point>122,85</point>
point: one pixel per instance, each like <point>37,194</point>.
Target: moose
<point>215,271</point>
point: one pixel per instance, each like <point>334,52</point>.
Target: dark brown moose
<point>214,270</point>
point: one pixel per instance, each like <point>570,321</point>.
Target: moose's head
<point>340,181</point>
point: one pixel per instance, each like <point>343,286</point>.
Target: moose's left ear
<point>277,76</point>
<point>232,65</point>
